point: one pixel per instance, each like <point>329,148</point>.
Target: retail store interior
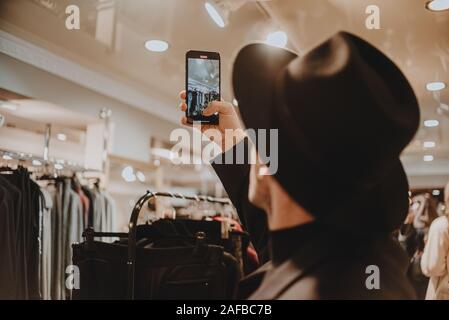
<point>97,105</point>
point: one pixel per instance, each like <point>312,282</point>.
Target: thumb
<point>220,107</point>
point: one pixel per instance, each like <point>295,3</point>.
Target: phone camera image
<point>203,87</point>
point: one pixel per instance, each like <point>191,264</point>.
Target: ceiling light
<point>277,39</point>
<point>436,192</point>
<point>435,86</point>
<point>214,13</point>
<point>429,144</point>
<point>9,105</point>
<point>128,174</point>
<point>428,158</point>
<point>438,5</point>
<point>61,137</point>
<point>7,157</point>
<point>36,163</point>
<point>59,166</point>
<point>431,123</point>
<point>156,45</point>
<point>140,176</point>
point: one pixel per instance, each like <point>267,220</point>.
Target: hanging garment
<point>183,272</point>
<point>21,244</point>
<point>46,244</point>
<point>8,258</point>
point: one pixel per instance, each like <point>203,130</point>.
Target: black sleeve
<point>235,179</point>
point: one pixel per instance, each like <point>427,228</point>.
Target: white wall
<point>132,128</point>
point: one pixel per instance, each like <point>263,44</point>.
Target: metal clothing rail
<point>22,157</point>
<point>132,234</point>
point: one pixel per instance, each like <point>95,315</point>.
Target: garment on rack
<point>8,255</point>
<point>69,217</point>
<point>46,244</point>
<point>185,271</point>
<point>175,259</point>
<point>38,224</point>
<point>20,226</point>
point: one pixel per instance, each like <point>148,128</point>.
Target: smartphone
<point>203,84</point>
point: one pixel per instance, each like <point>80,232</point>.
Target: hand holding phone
<point>203,85</point>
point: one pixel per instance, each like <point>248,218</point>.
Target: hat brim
<point>255,72</point>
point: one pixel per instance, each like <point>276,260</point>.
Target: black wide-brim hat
<point>344,113</point>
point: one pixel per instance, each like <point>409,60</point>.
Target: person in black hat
<point>344,113</point>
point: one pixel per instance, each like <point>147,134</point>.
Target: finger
<point>185,122</point>
<point>182,94</point>
<point>216,107</point>
<point>183,106</point>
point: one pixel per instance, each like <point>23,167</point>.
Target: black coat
<point>333,265</point>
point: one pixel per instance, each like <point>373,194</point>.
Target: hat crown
<point>350,107</point>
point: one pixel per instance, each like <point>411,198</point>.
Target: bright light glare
<point>213,13</point>
<point>428,158</point>
<point>8,105</point>
<point>128,174</point>
<point>61,137</point>
<point>156,45</point>
<point>141,176</point>
<point>435,86</point>
<point>429,144</point>
<point>431,123</point>
<point>277,39</point>
<point>438,5</point>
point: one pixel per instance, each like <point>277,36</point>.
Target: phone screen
<point>203,84</point>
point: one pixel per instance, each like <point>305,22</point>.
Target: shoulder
<point>351,278</point>
<point>440,224</point>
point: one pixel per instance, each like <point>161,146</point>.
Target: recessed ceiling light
<point>428,158</point>
<point>61,137</point>
<point>436,192</point>
<point>431,123</point>
<point>36,163</point>
<point>213,12</point>
<point>156,45</point>
<point>429,144</point>
<point>435,86</point>
<point>438,5</point>
<point>277,39</point>
<point>7,157</point>
<point>128,174</point>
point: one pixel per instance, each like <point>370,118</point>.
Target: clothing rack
<point>132,233</point>
<point>23,157</point>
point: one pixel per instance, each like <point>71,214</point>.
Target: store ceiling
<point>415,38</point>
